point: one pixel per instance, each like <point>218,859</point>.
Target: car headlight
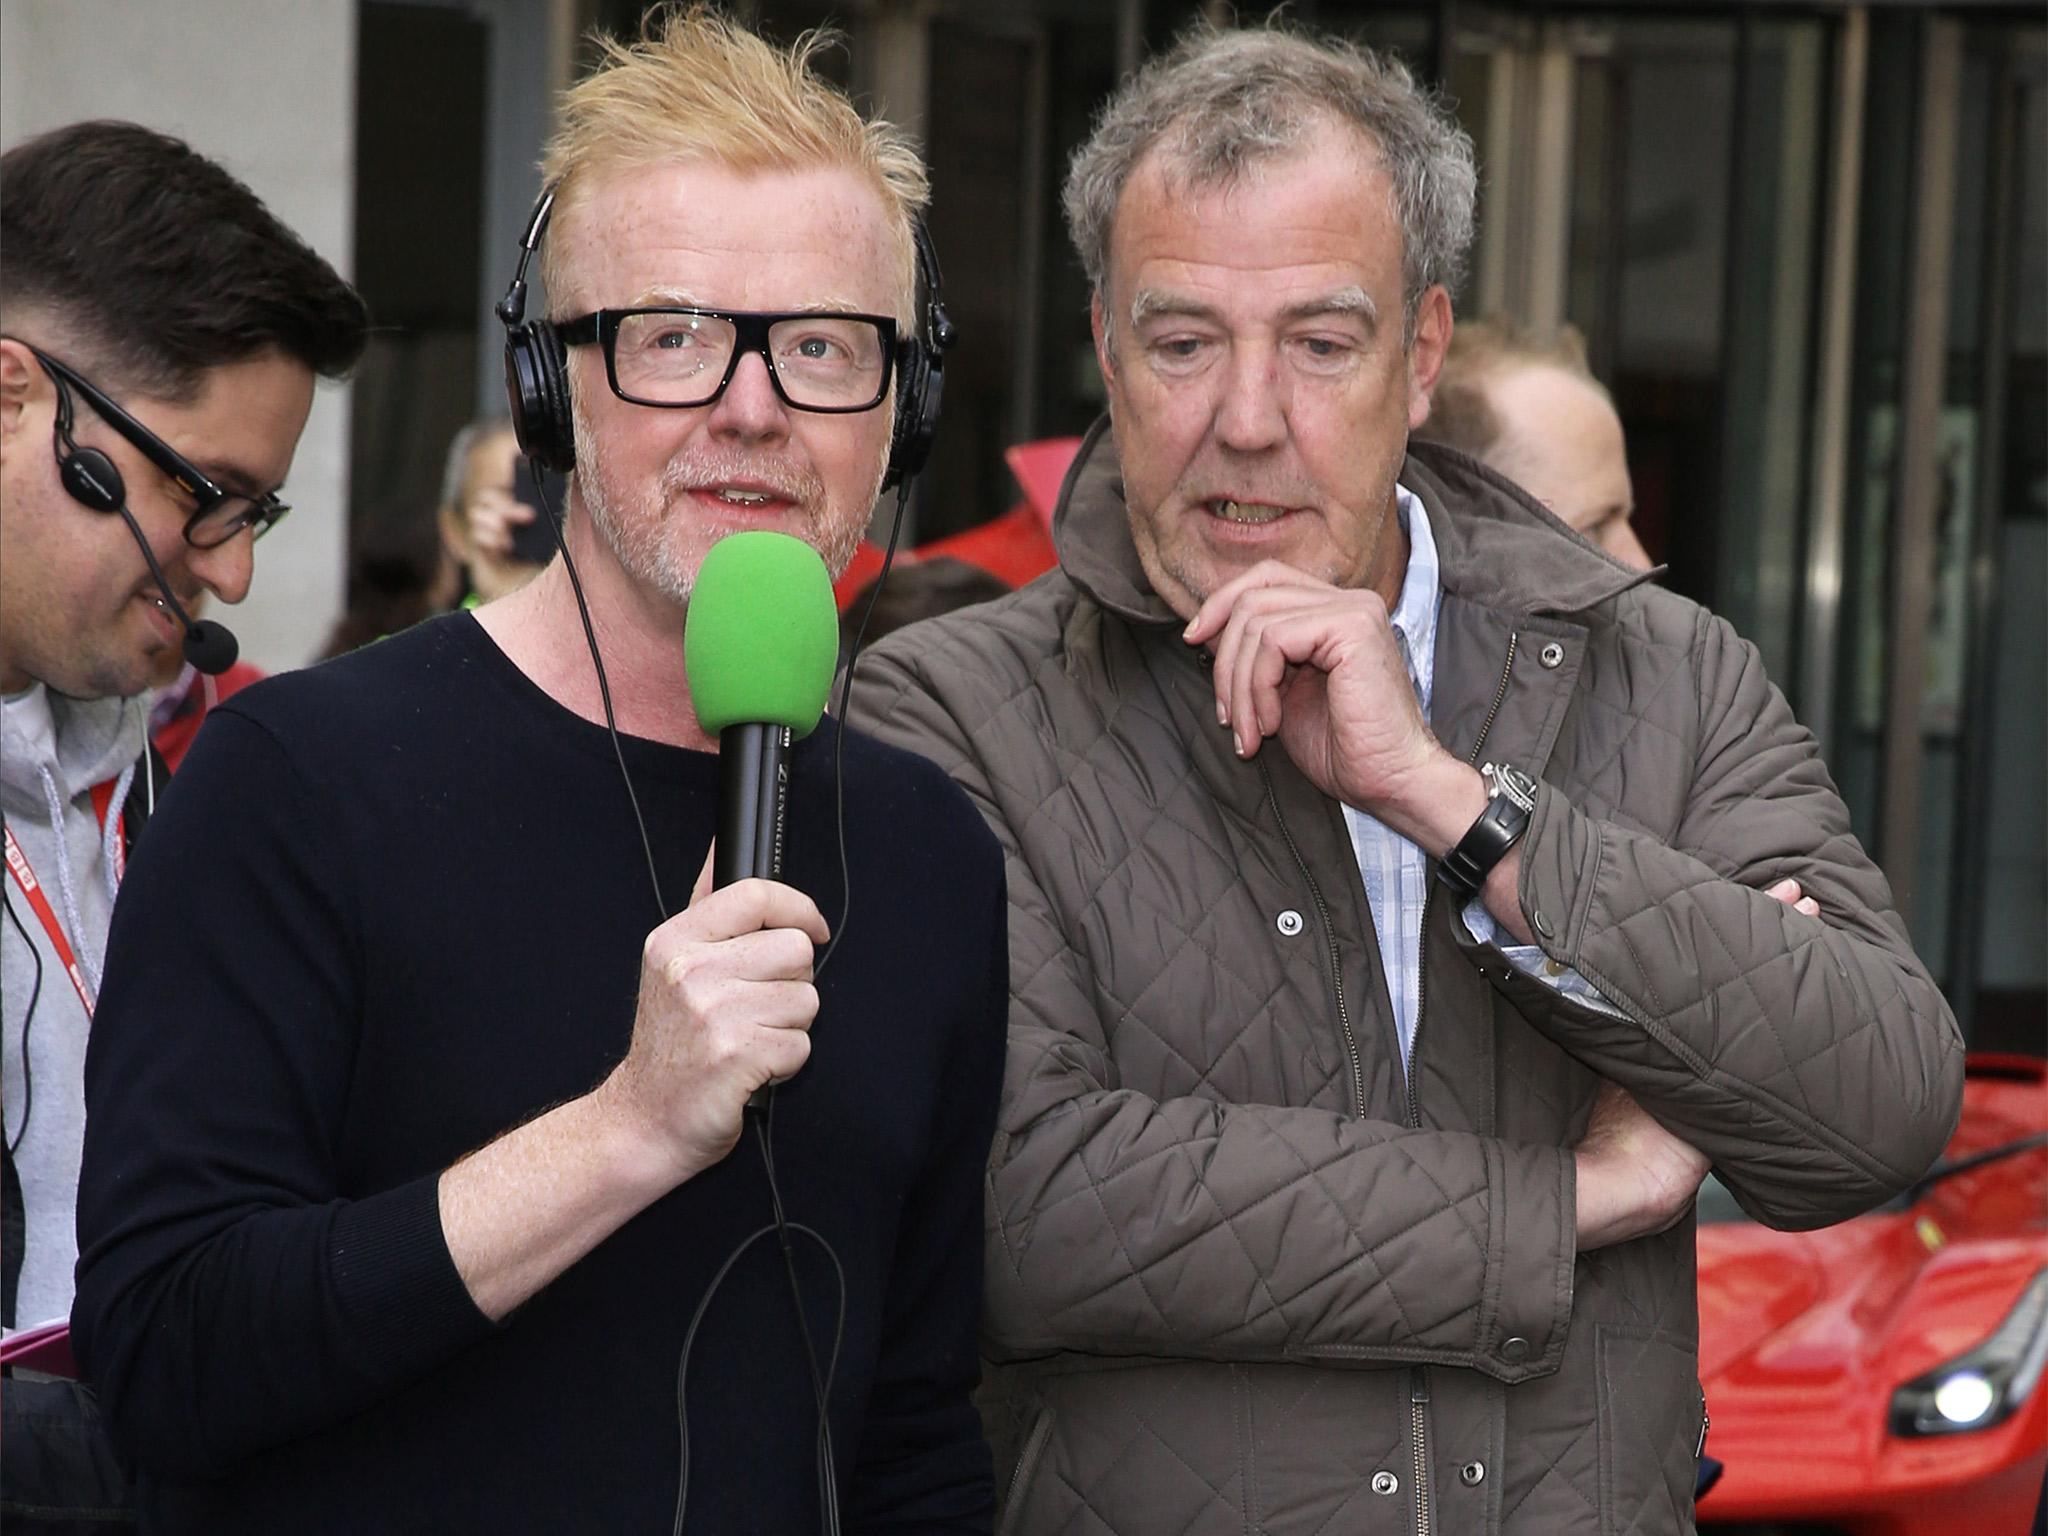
<point>1985,1386</point>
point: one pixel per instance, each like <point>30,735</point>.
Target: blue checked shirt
<point>1396,872</point>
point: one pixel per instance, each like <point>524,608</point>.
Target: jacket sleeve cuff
<point>397,1283</point>
<point>1528,1305</point>
<point>1561,854</point>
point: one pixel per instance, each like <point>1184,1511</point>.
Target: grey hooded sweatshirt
<point>53,751</point>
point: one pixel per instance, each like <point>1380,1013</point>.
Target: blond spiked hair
<point>697,86</point>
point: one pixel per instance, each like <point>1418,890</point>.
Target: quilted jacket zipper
<point>1330,942</point>
<point>1027,1463</point>
<point>1429,895</point>
<point>1499,694</point>
<point>1418,1415</point>
<point>1418,1395</point>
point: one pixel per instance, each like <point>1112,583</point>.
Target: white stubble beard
<point>649,549</point>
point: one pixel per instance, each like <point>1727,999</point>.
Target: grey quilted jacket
<point>1241,1278</point>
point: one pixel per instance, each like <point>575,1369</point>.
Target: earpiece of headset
<point>536,364</point>
<point>537,367</point>
<point>88,474</point>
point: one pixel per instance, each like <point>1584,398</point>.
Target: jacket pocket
<point>1012,1515</point>
<point>1649,1422</point>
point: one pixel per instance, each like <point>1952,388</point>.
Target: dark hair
<point>391,581</point>
<point>919,589</point>
<point>158,265</point>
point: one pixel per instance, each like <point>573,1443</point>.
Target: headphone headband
<point>512,308</point>
<point>537,365</point>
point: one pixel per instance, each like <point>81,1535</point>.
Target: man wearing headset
<point>476,1164</point>
<point>160,332</point>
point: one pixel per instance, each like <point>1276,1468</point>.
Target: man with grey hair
<point>1391,876</point>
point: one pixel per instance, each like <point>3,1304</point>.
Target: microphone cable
<point>28,1021</point>
<point>764,1123</point>
<point>604,687</point>
<point>860,634</point>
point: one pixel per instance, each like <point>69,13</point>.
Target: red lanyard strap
<point>39,901</point>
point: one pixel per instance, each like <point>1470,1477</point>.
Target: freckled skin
<point>705,234</point>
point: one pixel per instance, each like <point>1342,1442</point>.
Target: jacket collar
<point>1498,546</point>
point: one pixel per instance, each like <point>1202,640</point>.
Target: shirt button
<point>1384,1483</point>
<point>1552,656</point>
<point>1288,922</point>
<point>1472,1474</point>
<point>1514,1350</point>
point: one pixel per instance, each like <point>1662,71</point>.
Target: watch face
<point>1513,783</point>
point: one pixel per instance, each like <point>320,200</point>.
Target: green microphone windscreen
<point>762,635</point>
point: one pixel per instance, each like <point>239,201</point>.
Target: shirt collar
<point>1414,615</point>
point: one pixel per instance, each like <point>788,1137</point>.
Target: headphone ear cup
<point>91,478</point>
<point>537,391</point>
<point>909,371</point>
<point>928,400</point>
<point>554,373</point>
<point>920,382</point>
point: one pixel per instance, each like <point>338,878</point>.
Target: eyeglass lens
<point>228,517</point>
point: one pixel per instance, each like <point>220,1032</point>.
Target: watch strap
<point>1500,826</point>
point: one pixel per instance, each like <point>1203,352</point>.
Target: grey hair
<point>1219,101</point>
<point>456,470</point>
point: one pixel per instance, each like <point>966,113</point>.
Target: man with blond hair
<point>1393,935</point>
<point>415,1157</point>
<point>1525,403</point>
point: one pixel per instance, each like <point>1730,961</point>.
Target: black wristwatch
<point>1511,800</point>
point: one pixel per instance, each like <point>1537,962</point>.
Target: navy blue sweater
<point>394,907</point>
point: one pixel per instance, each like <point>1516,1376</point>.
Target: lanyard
<point>32,888</point>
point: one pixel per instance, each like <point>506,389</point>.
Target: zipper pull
<point>1418,1390</point>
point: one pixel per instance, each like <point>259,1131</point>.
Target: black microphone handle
<point>210,646</point>
<point>753,784</point>
<point>753,801</point>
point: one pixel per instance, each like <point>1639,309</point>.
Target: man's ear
<point>21,379</point>
<point>1426,352</point>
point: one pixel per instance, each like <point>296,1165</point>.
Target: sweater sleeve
<point>924,1465</point>
<point>1120,1223</point>
<point>1812,1058</point>
<point>229,1299</point>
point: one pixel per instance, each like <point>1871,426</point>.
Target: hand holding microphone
<point>726,1004</point>
<point>726,993</point>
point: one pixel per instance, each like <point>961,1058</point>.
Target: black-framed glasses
<point>218,514</point>
<point>669,355</point>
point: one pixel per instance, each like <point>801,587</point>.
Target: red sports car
<point>1881,1378</point>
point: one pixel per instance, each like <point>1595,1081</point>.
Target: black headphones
<point>537,367</point>
<point>88,474</point>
